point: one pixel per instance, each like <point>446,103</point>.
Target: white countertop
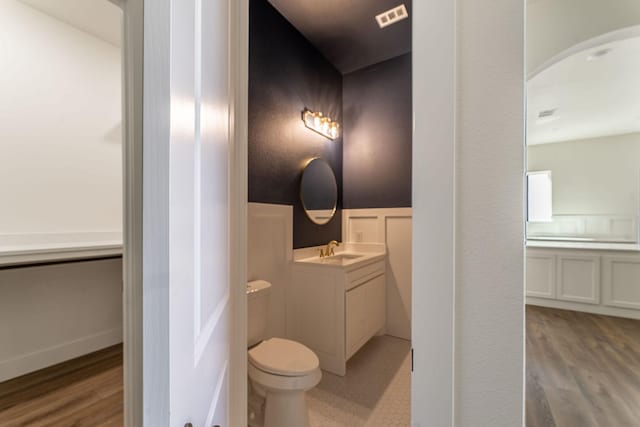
<point>360,259</point>
<point>366,253</point>
<point>586,244</point>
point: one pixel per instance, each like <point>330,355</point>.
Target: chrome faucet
<point>328,250</point>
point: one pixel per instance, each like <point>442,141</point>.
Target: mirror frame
<point>335,204</point>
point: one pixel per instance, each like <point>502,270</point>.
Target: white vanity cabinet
<point>336,309</point>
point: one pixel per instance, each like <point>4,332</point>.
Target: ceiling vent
<point>546,113</point>
<point>546,116</point>
<point>392,16</point>
<point>598,54</point>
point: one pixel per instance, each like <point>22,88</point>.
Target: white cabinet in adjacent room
<point>578,278</point>
<point>601,281</point>
<point>621,281</point>
<point>541,274</point>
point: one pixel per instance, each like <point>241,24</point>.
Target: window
<point>539,196</point>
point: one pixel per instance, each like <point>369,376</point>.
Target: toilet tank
<point>257,311</point>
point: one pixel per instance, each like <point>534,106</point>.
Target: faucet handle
<point>322,254</point>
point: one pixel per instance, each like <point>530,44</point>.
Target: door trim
<point>238,206</point>
<point>132,28</point>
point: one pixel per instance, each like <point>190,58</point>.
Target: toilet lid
<point>283,357</point>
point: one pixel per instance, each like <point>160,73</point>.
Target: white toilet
<point>280,370</point>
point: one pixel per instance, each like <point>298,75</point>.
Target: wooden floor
<point>582,369</point>
<point>83,392</point>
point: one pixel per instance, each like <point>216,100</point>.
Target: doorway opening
<point>582,247</point>
<point>349,305</point>
<point>61,234</point>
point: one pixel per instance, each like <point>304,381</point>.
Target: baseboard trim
<point>40,359</point>
<point>586,308</point>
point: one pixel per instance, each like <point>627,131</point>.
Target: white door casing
<point>186,318</point>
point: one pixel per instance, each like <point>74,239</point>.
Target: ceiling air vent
<point>392,16</point>
<point>546,116</point>
<point>546,113</point>
<point>598,54</point>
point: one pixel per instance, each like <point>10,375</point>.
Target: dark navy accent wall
<point>377,135</point>
<point>287,74</point>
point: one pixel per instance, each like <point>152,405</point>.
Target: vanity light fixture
<point>321,124</point>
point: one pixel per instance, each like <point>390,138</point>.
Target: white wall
<point>60,175</point>
<point>468,213</point>
<point>490,214</point>
<point>53,313</point>
<point>556,25</point>
<point>391,227</point>
<point>591,177</point>
<point>60,126</point>
<point>270,254</point>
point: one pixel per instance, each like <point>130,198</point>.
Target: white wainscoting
<point>392,227</point>
<point>53,313</point>
<point>270,235</point>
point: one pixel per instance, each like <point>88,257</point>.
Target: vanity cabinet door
<point>357,327</point>
<point>366,313</point>
<point>377,313</point>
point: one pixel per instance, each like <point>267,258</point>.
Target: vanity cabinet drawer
<point>361,275</point>
<point>365,313</point>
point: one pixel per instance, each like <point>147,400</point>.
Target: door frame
<point>449,138</point>
<point>132,100</point>
<point>238,205</point>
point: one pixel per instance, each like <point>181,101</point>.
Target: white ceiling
<point>100,18</point>
<point>592,98</point>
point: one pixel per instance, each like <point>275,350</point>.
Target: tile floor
<point>375,392</point>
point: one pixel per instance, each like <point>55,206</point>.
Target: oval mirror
<point>319,191</point>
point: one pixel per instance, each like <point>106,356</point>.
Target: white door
<point>185,187</point>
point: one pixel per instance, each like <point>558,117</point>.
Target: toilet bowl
<point>280,370</point>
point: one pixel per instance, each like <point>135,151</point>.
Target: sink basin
<point>339,259</point>
<point>348,259</point>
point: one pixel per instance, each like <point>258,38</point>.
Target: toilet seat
<point>282,357</point>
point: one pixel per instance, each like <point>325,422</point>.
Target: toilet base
<point>286,409</point>
<point>255,407</point>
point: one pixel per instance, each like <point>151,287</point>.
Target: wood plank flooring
<point>582,369</point>
<point>86,391</point>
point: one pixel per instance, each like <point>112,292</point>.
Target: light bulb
<point>308,120</point>
<point>325,125</point>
